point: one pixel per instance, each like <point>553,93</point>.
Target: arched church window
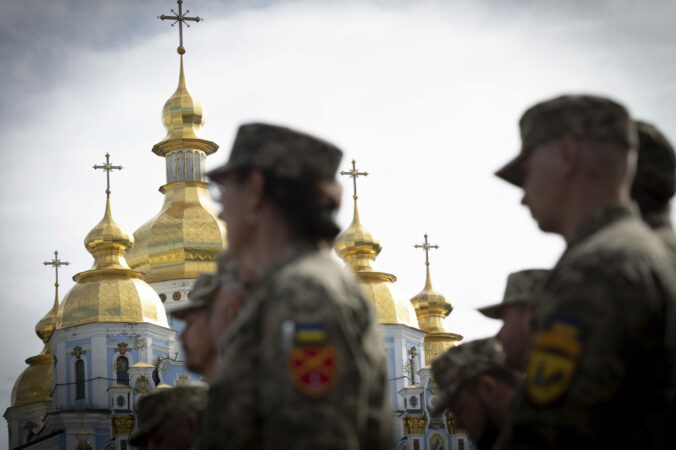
<point>79,379</point>
<point>156,377</point>
<point>123,370</point>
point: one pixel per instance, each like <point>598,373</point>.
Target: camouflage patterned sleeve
<point>309,379</point>
<point>597,327</point>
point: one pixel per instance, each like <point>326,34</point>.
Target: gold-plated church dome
<point>110,291</point>
<point>34,385</point>
<point>357,247</point>
<point>432,308</point>
<point>186,236</point>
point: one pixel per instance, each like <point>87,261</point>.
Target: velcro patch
<point>309,333</point>
<point>552,363</point>
<point>313,368</point>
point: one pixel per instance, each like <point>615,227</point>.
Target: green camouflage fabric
<point>282,152</point>
<point>305,306</point>
<point>157,407</point>
<point>601,372</point>
<point>228,270</point>
<point>581,116</point>
<point>461,364</point>
<point>522,287</point>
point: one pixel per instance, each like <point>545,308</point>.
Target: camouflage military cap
<point>461,364</point>
<point>157,407</point>
<point>522,287</point>
<point>581,116</point>
<point>656,166</point>
<point>282,152</point>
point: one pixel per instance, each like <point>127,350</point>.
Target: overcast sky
<point>425,95</point>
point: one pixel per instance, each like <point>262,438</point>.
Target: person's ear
<point>254,189</point>
<point>487,387</point>
<point>568,157</point>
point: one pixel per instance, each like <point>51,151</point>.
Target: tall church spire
<point>185,237</point>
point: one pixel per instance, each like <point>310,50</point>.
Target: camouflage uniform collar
<point>293,252</point>
<point>601,219</point>
<point>658,220</point>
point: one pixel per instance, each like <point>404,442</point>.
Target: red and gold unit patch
<point>313,369</point>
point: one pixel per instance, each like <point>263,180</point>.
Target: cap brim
<point>493,311</point>
<point>181,311</point>
<point>513,172</point>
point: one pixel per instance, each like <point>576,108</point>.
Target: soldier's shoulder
<point>624,244</point>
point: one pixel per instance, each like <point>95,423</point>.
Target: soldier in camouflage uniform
<point>167,418</point>
<point>655,181</point>
<point>477,387</point>
<point>198,345</point>
<point>303,365</point>
<point>601,371</point>
<point>516,312</point>
<point>213,303</point>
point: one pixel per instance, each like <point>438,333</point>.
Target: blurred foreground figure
<point>477,387</point>
<point>214,301</point>
<point>516,311</point>
<point>167,418</point>
<point>655,181</point>
<point>198,344</point>
<point>601,371</point>
<point>302,366</point>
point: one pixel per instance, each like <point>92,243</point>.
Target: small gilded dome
<point>359,249</point>
<point>110,291</point>
<point>46,326</point>
<point>431,307</point>
<point>34,385</point>
<point>182,114</point>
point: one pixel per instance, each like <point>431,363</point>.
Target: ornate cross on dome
<point>426,246</point>
<point>180,17</point>
<point>354,173</point>
<point>56,262</point>
<point>108,168</point>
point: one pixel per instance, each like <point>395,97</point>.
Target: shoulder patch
<point>552,362</point>
<point>312,362</point>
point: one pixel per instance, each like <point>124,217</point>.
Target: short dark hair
<point>304,202</point>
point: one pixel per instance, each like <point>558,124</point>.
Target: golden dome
<point>110,291</point>
<point>46,326</point>
<point>359,249</point>
<point>432,308</point>
<point>184,239</point>
<point>186,236</point>
<point>34,385</point>
<point>182,114</point>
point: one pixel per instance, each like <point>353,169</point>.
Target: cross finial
<point>56,263</point>
<point>426,246</point>
<point>354,173</point>
<point>108,168</point>
<point>180,17</point>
